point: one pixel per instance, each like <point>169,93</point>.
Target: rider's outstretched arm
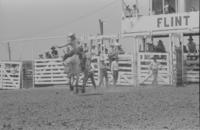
<point>62,46</point>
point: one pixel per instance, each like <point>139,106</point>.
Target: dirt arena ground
<point>121,108</point>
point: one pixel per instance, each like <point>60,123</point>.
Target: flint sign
<point>173,21</point>
<point>164,22</point>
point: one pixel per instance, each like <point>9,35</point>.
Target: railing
<point>191,68</point>
<point>51,71</point>
<point>145,73</point>
<point>10,75</point>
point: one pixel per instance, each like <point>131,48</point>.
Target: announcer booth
<point>167,36</point>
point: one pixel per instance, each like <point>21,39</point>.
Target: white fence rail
<point>145,73</point>
<point>49,71</point>
<point>191,68</point>
<point>10,75</point>
<point>125,76</point>
<point>125,70</point>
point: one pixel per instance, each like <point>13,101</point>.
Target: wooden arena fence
<point>51,71</point>
<point>10,75</point>
<point>145,73</point>
<point>191,68</point>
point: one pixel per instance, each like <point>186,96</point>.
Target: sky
<point>27,19</point>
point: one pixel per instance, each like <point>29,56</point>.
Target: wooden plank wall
<point>144,72</point>
<point>125,70</point>
<point>10,75</point>
<point>191,68</point>
<point>49,71</point>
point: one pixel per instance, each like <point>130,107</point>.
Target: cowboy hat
<point>154,57</point>
<point>190,38</point>
<point>116,44</point>
<point>71,35</point>
<point>53,47</point>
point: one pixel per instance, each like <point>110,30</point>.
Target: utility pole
<point>101,26</point>
<point>9,51</point>
<point>101,29</point>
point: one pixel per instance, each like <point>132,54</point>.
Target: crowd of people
<point>191,46</point>
<point>50,54</point>
<point>150,47</point>
<point>86,54</point>
<point>131,11</point>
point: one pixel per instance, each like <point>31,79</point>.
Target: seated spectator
<point>47,55</point>
<point>185,49</point>
<point>120,50</point>
<point>160,47</point>
<point>106,51</point>
<point>135,11</point>
<point>85,48</point>
<point>54,52</point>
<point>128,11</point>
<point>191,45</point>
<point>193,9</point>
<point>150,47</point>
<point>41,56</point>
<point>93,50</point>
<point>168,9</point>
<point>99,49</point>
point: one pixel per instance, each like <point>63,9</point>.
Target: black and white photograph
<point>99,65</point>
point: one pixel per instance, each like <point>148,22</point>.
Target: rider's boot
<point>77,89</point>
<point>83,89</point>
<point>71,87</point>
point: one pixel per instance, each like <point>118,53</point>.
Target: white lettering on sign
<point>173,21</point>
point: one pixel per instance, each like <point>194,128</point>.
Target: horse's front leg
<point>85,78</point>
<point>70,83</point>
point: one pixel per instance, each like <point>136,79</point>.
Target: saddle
<point>81,57</point>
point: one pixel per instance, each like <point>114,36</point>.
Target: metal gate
<point>191,68</point>
<point>49,71</point>
<point>144,72</point>
<point>10,75</point>
<point>125,76</point>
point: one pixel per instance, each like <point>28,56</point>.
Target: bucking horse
<point>73,69</point>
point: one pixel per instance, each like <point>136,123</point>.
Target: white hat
<point>148,40</point>
<point>117,44</point>
<point>102,58</point>
<point>71,34</point>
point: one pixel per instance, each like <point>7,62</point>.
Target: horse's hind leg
<point>77,79</point>
<point>83,89</point>
<point>84,83</point>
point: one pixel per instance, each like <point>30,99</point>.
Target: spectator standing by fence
<point>89,71</point>
<point>85,48</point>
<point>114,70</point>
<point>191,45</point>
<point>135,11</point>
<point>154,67</point>
<point>103,71</point>
<point>54,52</point>
<point>48,55</point>
<point>41,56</point>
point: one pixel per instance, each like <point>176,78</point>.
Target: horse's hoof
<point>76,91</point>
<point>83,90</point>
<point>71,88</point>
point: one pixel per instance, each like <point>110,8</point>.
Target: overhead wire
<point>68,24</point>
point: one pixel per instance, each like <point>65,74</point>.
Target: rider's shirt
<point>74,44</point>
